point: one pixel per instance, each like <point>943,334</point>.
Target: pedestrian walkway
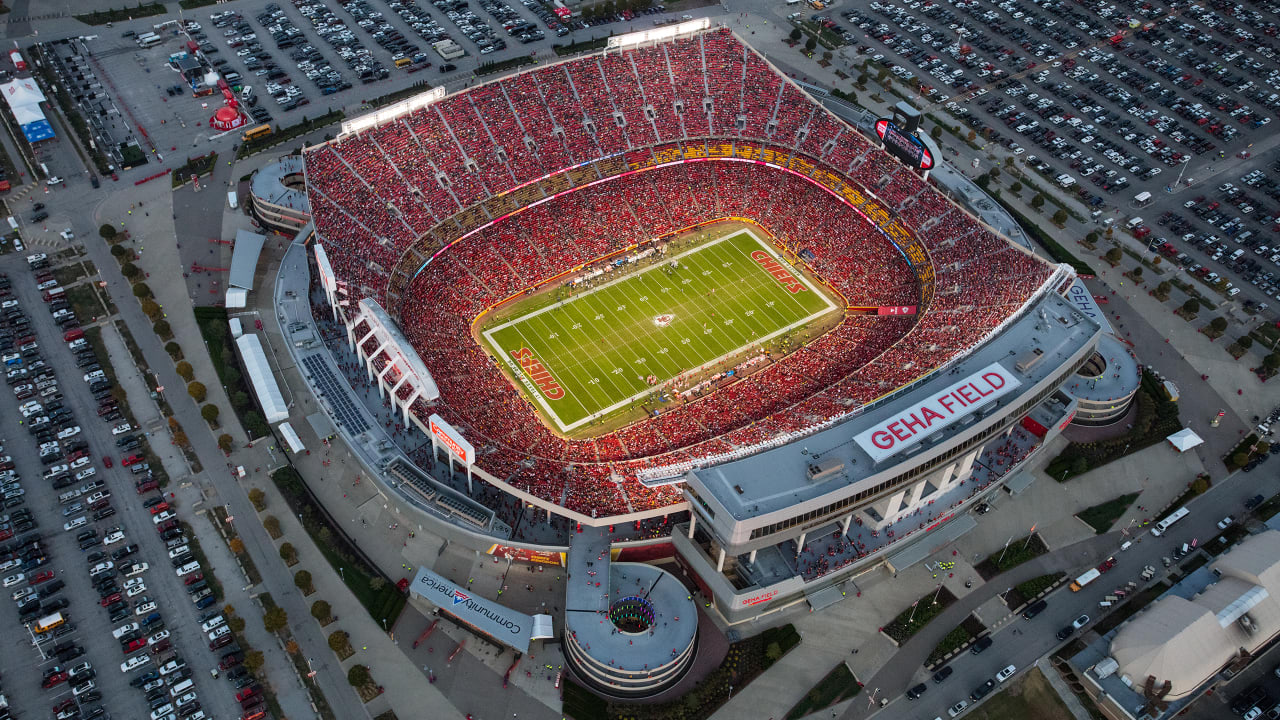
<point>1064,693</point>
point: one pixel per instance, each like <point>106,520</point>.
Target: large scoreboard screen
<point>903,146</point>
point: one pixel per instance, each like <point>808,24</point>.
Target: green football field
<point>591,354</point>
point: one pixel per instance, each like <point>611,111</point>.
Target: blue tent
<point>37,131</point>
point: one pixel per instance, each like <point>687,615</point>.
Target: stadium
<point>662,278</point>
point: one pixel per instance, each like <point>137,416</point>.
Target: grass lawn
<point>1102,516</point>
<point>918,614</point>
<point>587,355</point>
<point>838,685</point>
<point>1030,696</point>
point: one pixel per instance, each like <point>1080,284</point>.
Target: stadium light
<point>659,34</point>
<point>391,112</point>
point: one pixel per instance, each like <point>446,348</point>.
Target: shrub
<point>258,498</point>
<point>185,370</point>
<point>224,442</point>
<point>106,232</point>
<point>376,583</point>
<point>272,526</point>
<point>289,554</point>
<point>320,610</point>
<point>209,413</point>
<point>240,399</point>
<point>302,580</point>
<point>140,290</point>
<point>253,661</point>
<point>275,619</point>
<point>236,545</point>
<point>291,647</point>
<point>197,391</point>
<point>359,676</point>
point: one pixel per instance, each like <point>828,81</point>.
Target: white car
<point>121,429</point>
<point>87,472</point>
<point>124,630</point>
<point>188,569</point>
<point>162,710</point>
<point>102,567</point>
<point>83,688</point>
<point>135,591</point>
<point>113,538</point>
<point>172,667</point>
<point>1006,673</point>
<point>14,579</point>
<point>70,432</point>
<point>75,523</point>
<point>135,662</point>
<point>153,685</point>
<point>67,234</point>
<point>80,463</point>
<point>137,569</point>
<point>144,608</point>
<point>53,180</point>
<point>135,582</point>
<point>213,623</point>
<point>162,635</point>
<point>31,408</point>
<point>179,551</point>
<point>958,708</point>
<point>163,517</point>
<point>219,632</point>
<point>1225,522</point>
<point>23,592</point>
<point>186,699</point>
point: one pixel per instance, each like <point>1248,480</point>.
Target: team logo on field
<point>663,320</point>
<point>538,373</point>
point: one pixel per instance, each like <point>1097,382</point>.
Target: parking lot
<point>83,508</point>
<point>1101,103</point>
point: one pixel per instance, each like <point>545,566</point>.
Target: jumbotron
<point>486,227</point>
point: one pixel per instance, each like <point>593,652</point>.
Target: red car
<point>41,577</point>
<point>106,460</point>
<point>113,597</point>
<point>77,455</point>
<point>159,647</point>
<point>135,459</point>
<point>157,509</point>
<point>1107,564</point>
<point>64,705</point>
<point>193,579</point>
<point>146,487</point>
<point>134,645</point>
<point>255,714</point>
<point>248,692</point>
<point>54,679</point>
<point>166,526</point>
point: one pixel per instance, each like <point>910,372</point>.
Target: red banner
<point>896,310</point>
<point>526,555</point>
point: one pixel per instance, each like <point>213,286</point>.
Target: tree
<point>1113,256</point>
<point>810,44</point>
<point>1200,485</point>
<point>1164,287</point>
<point>185,370</point>
<point>107,232</point>
<point>291,647</point>
<point>1037,201</point>
<point>141,290</point>
<point>151,309</point>
<point>253,661</point>
<point>339,643</point>
<point>236,623</point>
<point>118,251</point>
<point>275,619</point>
<point>272,525</point>
<point>1079,466</point>
<point>1016,187</point>
<point>936,132</point>
<point>130,270</point>
<point>236,545</point>
<point>1261,448</point>
<point>224,442</point>
<point>1245,342</point>
<point>773,651</point>
<point>1191,306</point>
<point>1092,237</point>
<point>239,399</point>
<point>320,610</point>
<point>971,136</point>
<point>994,172</point>
<point>162,329</point>
<point>862,80</point>
<point>210,413</point>
<point>796,34</point>
<point>302,580</point>
<point>1240,459</point>
<point>197,391</point>
<point>174,350</point>
<point>289,554</point>
<point>1218,324</point>
<point>258,498</point>
<point>1136,273</point>
<point>1271,362</point>
<point>376,583</point>
<point>359,676</point>
<point>1060,217</point>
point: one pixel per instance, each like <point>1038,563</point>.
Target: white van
<point>1133,223</point>
<point>180,688</point>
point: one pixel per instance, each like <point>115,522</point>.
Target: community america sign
<point>503,624</point>
<point>919,420</point>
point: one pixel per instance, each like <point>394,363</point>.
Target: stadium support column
<point>917,491</point>
<point>752,556</point>
<point>408,403</point>
<point>720,561</point>
<point>358,345</point>
<point>368,363</point>
<point>381,383</point>
<point>693,523</point>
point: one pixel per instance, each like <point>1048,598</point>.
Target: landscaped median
<point>913,619</point>
<point>838,685</point>
<point>1102,516</point>
<point>956,640</point>
<point>1014,553</point>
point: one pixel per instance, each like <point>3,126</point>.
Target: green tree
<point>1060,217</point>
<point>118,251</point>
<point>162,329</point>
<point>1164,287</point>
<point>236,624</point>
<point>810,44</point>
<point>321,611</point>
<point>275,619</point>
<point>994,172</point>
<point>185,370</point>
<point>1240,459</point>
<point>197,391</point>
<point>796,34</point>
<point>339,642</point>
<point>239,399</point>
<point>1245,342</point>
<point>258,498</point>
<point>1092,237</point>
<point>936,132</point>
<point>272,525</point>
<point>174,350</point>
<point>359,676</point>
<point>130,270</point>
<point>1113,256</point>
<point>1016,187</point>
<point>210,413</point>
<point>107,232</point>
<point>302,580</point>
<point>1262,447</point>
<point>862,80</point>
<point>151,309</point>
<point>288,553</point>
<point>1136,273</point>
<point>141,290</point>
<point>1218,324</point>
<point>253,661</point>
<point>1271,362</point>
<point>224,442</point>
<point>1191,306</point>
<point>1037,201</point>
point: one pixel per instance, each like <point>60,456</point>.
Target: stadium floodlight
<point>659,34</point>
<point>391,112</point>
<point>327,277</point>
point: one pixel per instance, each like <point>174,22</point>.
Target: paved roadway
<point>1036,638</point>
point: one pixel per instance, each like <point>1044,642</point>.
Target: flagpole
<point>1006,548</point>
<point>1029,534</point>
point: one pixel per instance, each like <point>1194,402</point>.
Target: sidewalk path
<point>1064,693</point>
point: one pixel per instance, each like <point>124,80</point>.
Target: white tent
<point>1184,440</point>
<point>261,378</point>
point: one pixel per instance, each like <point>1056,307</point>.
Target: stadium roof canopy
<point>244,258</point>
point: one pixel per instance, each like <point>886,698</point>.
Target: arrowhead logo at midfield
<point>663,320</point>
<point>460,597</point>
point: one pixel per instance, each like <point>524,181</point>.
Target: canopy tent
<point>291,438</point>
<point>1184,440</point>
<point>24,97</point>
<point>262,379</point>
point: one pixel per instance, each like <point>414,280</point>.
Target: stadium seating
<point>376,192</point>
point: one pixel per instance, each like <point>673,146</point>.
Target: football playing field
<point>595,352</point>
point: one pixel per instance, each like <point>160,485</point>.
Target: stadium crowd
<point>376,192</point>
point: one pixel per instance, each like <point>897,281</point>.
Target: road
<point>1036,638</point>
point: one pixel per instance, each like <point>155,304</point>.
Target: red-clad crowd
<point>376,192</point>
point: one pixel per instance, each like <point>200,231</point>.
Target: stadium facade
<point>855,453</point>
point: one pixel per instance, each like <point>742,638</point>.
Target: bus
<point>254,134</point>
<point>49,622</point>
<point>54,294</point>
<point>1085,579</point>
<point>1162,526</point>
